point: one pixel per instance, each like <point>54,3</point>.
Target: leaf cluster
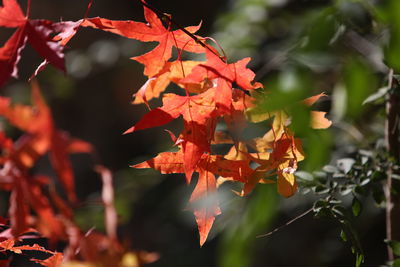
<point>343,187</point>
<point>214,94</point>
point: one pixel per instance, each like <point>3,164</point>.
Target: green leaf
<point>378,195</point>
<point>321,30</point>
<point>365,181</point>
<point>377,95</point>
<point>359,259</point>
<point>329,169</point>
<point>343,236</point>
<point>303,175</point>
<point>319,204</point>
<point>345,164</point>
<point>339,211</point>
<point>320,189</point>
<point>356,207</point>
<point>345,190</point>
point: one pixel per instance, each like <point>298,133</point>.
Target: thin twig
<point>286,224</point>
<point>88,9</point>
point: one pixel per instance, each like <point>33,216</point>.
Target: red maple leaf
<point>38,33</point>
<point>26,191</point>
<point>152,31</point>
<point>197,111</point>
<point>19,209</point>
<point>204,203</point>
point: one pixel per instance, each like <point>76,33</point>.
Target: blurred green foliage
<point>238,243</point>
<point>391,16</point>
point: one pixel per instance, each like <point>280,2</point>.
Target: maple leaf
<point>38,33</point>
<point>7,244</point>
<point>279,157</point>
<point>318,120</point>
<point>91,248</point>
<point>204,203</point>
<point>38,122</point>
<point>285,156</point>
<point>236,119</point>
<point>66,30</point>
<point>196,111</point>
<point>165,162</point>
<point>54,260</point>
<point>36,247</point>
<point>18,209</point>
<point>278,149</point>
<point>171,72</point>
<point>48,224</point>
<point>286,183</point>
<point>268,142</point>
<point>26,192</point>
<point>173,162</point>
<point>225,75</point>
<point>203,199</point>
<point>152,31</point>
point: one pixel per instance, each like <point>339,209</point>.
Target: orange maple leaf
<point>318,120</point>
<point>171,72</point>
<point>223,75</point>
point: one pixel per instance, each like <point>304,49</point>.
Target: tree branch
<point>392,188</point>
<point>286,224</point>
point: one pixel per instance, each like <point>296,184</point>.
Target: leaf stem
<point>88,9</point>
<point>28,9</point>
